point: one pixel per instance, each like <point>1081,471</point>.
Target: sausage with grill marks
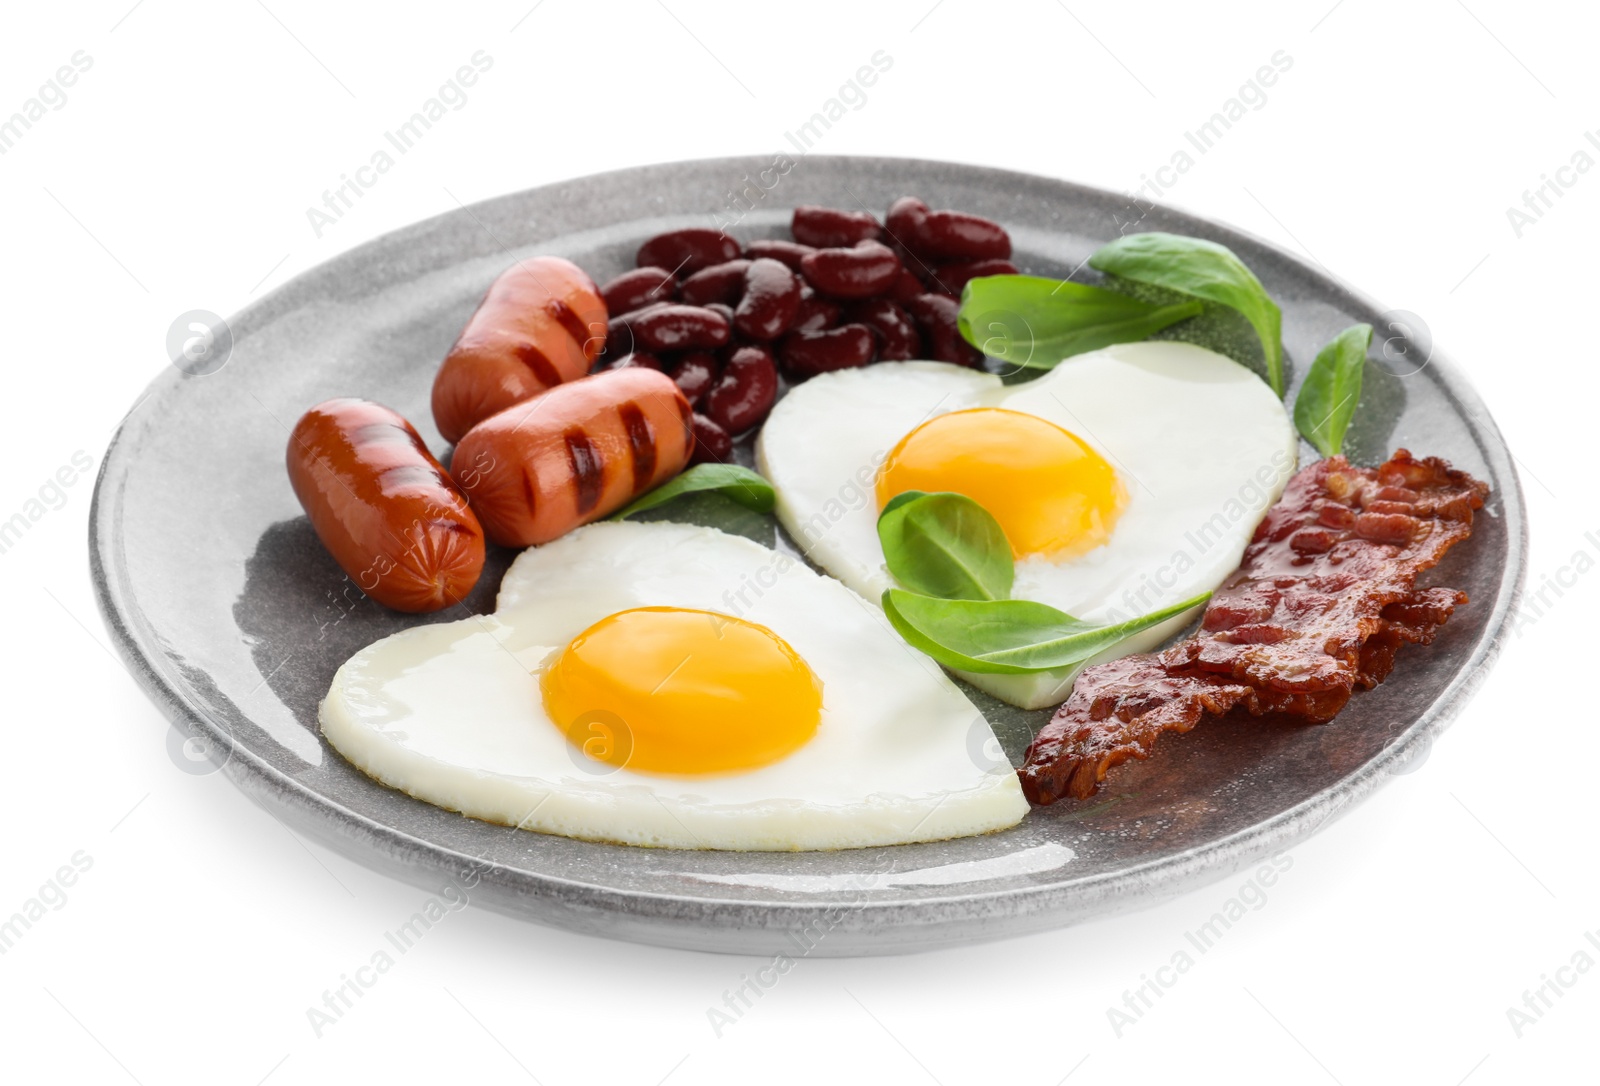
<point>578,453</point>
<point>541,324</point>
<point>382,505</point>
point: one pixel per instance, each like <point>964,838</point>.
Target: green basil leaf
<point>1008,637</point>
<point>1202,269</point>
<point>901,498</point>
<point>739,483</point>
<point>1327,400</point>
<point>946,545</point>
<point>1034,322</point>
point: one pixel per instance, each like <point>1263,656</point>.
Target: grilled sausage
<point>542,323</point>
<point>383,506</point>
<point>579,452</point>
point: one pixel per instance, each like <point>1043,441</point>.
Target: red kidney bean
<point>722,308</point>
<point>815,313</point>
<point>711,442</point>
<point>906,287</point>
<point>955,235</point>
<point>860,272</point>
<point>745,392</point>
<point>718,283</point>
<point>638,288</point>
<point>693,373</point>
<point>898,339</point>
<point>913,264</point>
<point>907,218</point>
<point>636,358</point>
<point>830,228</point>
<point>787,253</point>
<point>952,277</point>
<point>806,354</point>
<point>771,297</point>
<point>620,337</point>
<point>946,235</point>
<point>907,257</point>
<point>935,315</point>
<point>686,251</point>
<point>679,327</point>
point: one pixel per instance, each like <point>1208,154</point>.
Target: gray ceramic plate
<point>234,619</point>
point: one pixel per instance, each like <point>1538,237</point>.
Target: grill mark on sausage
<point>641,445</point>
<point>530,492</point>
<point>568,319</point>
<point>544,371</point>
<point>401,476</point>
<point>588,473</point>
<point>686,416</point>
<point>380,433</point>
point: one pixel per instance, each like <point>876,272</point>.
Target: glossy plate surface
<point>234,619</point>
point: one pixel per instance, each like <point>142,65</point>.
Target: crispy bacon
<point>1324,598</point>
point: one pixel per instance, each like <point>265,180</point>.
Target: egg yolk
<point>670,690</point>
<point>1051,493</point>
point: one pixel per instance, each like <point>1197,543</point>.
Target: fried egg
<point>674,686</point>
<point>1127,479</point>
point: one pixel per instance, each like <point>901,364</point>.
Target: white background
<point>177,176</point>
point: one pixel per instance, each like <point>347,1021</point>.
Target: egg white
<point>1202,445</point>
<point>452,713</point>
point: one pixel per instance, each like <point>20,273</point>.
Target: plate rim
<point>665,919</point>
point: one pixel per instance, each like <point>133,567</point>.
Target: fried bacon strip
<point>1324,598</point>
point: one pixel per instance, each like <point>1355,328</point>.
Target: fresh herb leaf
<point>901,498</point>
<point>1327,400</point>
<point>946,545</point>
<point>1034,323</point>
<point>957,566</point>
<point>1009,637</point>
<point>731,480</point>
<point>1202,269</point>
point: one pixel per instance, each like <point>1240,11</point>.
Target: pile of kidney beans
<point>848,291</point>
